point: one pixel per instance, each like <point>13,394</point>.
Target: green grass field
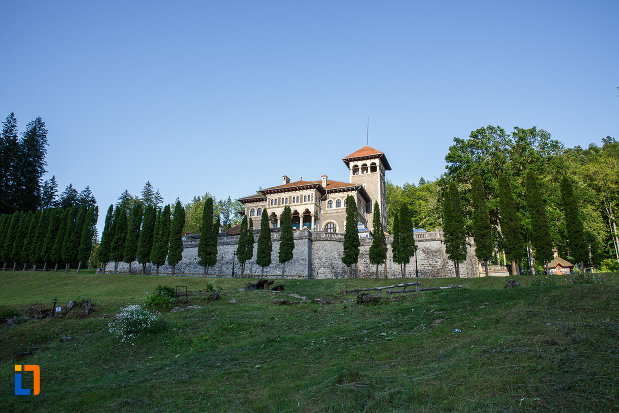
<point>519,349</point>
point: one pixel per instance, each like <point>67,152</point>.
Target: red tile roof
<point>560,261</point>
<point>331,185</point>
<point>367,152</point>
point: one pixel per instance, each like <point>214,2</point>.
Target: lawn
<point>513,349</point>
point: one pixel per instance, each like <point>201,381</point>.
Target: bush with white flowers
<point>133,320</point>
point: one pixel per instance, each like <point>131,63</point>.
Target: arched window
<point>259,212</point>
<point>338,203</point>
<point>304,198</point>
<point>373,167</point>
<point>330,204</point>
<point>355,170</point>
<point>252,212</point>
<point>364,168</point>
<point>330,227</point>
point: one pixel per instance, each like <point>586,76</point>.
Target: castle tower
<point>367,168</point>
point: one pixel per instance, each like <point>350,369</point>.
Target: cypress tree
<point>205,234</point>
<point>9,240</point>
<point>55,216</point>
<point>24,225</point>
<point>117,249</point>
<point>396,246</point>
<point>453,227</point>
<point>265,246</point>
<point>351,236</point>
<point>107,236</point>
<point>249,246</point>
<point>24,254</point>
<point>212,245</point>
<point>162,237</point>
<point>76,236</point>
<point>31,160</point>
<point>68,243</point>
<point>87,234</point>
<point>286,240</point>
<point>133,234</point>
<point>511,227</point>
<point>175,254</point>
<point>241,248</point>
<point>4,229</point>
<point>56,251</point>
<point>145,244</point>
<point>576,240</point>
<point>482,228</point>
<point>540,232</point>
<point>407,236</point>
<point>378,249</point>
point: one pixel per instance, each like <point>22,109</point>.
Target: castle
<point>321,205</point>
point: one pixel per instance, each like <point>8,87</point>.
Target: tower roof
<point>367,152</point>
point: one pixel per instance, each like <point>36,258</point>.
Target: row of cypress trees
<point>148,235</point>
<point>516,238</point>
<point>48,236</point>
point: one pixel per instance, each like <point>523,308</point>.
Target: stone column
<point>278,222</point>
<point>312,225</point>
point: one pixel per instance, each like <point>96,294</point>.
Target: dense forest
<point>490,151</point>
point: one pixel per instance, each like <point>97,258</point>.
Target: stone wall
<point>318,255</point>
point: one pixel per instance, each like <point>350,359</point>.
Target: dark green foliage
<point>5,220</point>
<point>539,228</point>
<point>145,244</point>
<point>576,241</point>
<point>175,254</point>
<point>9,239</point>
<point>68,198</point>
<point>511,227</point>
<point>55,256</point>
<point>87,234</point>
<point>241,248</point>
<point>9,167</point>
<point>378,249</point>
<point>87,198</point>
<point>24,226</point>
<point>164,297</point>
<point>104,252</point>
<point>133,234</point>
<point>161,238</point>
<point>205,249</point>
<point>482,228</point>
<point>453,227</point>
<point>36,247</point>
<point>77,233</point>
<point>48,193</point>
<point>286,241</point>
<point>68,244</point>
<point>32,150</point>
<point>265,246</point>
<point>351,236</point>
<point>24,255</point>
<point>406,247</point>
<point>396,245</point>
<point>117,249</point>
<point>212,244</point>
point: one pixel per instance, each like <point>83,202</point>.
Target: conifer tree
<point>133,234</point>
<point>212,245</point>
<point>87,234</point>
<point>32,151</point>
<point>104,251</point>
<point>286,240</point>
<point>24,225</point>
<point>9,167</point>
<point>56,251</point>
<point>86,198</point>
<point>540,232</point>
<point>241,248</point>
<point>69,197</point>
<point>453,227</point>
<point>407,235</point>
<point>396,246</point>
<point>36,246</point>
<point>68,244</point>
<point>51,234</point>
<point>576,240</point>
<point>24,254</point>
<point>4,224</point>
<point>265,246</point>
<point>48,193</point>
<point>148,194</point>
<point>117,249</point>
<point>378,249</point>
<point>9,240</point>
<point>175,254</point>
<point>351,236</point>
<point>511,227</point>
<point>162,238</point>
<point>482,228</point>
<point>205,234</point>
<point>76,236</point>
<point>145,243</point>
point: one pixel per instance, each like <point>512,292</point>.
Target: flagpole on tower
<point>367,133</point>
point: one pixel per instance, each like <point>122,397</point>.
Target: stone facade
<point>318,255</point>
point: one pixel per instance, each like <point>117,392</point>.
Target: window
<point>373,167</point>
<point>355,170</point>
<point>330,226</point>
<point>338,203</point>
<point>304,198</point>
<point>259,211</point>
<point>330,204</point>
<point>364,168</point>
<point>252,212</point>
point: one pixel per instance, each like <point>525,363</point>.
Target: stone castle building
<point>321,205</point>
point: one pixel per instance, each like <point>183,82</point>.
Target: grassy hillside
<point>518,349</point>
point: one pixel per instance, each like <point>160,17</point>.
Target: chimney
<point>286,180</point>
<point>555,252</point>
<point>324,181</point>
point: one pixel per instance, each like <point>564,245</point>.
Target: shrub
<point>7,314</point>
<point>610,265</point>
<point>132,321</point>
<point>210,287</point>
<point>164,297</point>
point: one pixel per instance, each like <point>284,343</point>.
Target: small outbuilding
<point>560,266</point>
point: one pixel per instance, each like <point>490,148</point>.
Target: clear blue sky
<point>226,97</point>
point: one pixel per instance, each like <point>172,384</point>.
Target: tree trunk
<point>129,268</point>
<point>45,266</point>
<point>79,266</point>
<point>66,268</point>
<point>157,269</point>
<point>515,269</point>
<point>262,270</point>
<point>205,271</point>
<point>404,271</point>
<point>457,268</point>
<point>530,260</point>
<point>486,267</point>
<point>4,266</point>
<point>385,269</point>
<point>14,265</point>
<point>143,268</point>
<point>34,267</point>
<point>283,268</point>
<point>546,266</point>
<point>116,267</point>
<point>376,270</point>
<point>24,267</point>
<point>56,268</point>
<point>173,270</point>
